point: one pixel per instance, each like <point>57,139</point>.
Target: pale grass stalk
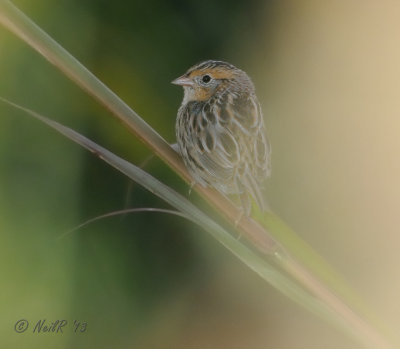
<point>328,303</point>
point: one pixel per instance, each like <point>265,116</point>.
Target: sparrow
<point>220,132</point>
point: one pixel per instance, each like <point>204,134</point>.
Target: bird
<point>220,132</point>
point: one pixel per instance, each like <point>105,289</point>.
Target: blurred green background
<point>328,79</point>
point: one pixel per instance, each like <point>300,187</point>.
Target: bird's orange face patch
<point>203,93</point>
<point>215,73</point>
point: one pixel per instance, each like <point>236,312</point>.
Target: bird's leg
<point>246,204</point>
<point>244,210</point>
<point>237,220</point>
<point>175,147</point>
<point>192,184</point>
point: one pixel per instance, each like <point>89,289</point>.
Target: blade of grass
<point>186,209</point>
<point>358,329</point>
<point>122,212</point>
<point>300,250</point>
<point>18,23</point>
<point>23,27</point>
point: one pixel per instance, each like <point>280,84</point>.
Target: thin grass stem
<point>327,305</point>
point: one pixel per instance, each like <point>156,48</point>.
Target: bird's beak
<point>182,81</point>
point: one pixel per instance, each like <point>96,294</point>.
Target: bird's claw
<point>192,184</point>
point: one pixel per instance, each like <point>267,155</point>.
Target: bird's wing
<point>230,144</point>
<point>248,126</point>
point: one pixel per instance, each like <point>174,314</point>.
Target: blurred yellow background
<point>328,76</point>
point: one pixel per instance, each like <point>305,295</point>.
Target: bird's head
<point>204,80</point>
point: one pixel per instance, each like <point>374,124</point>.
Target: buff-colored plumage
<point>220,131</point>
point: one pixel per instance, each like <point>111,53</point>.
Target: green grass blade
<point>261,238</point>
<point>18,23</point>
<point>267,271</point>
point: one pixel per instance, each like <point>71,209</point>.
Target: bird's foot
<point>238,219</point>
<point>192,184</point>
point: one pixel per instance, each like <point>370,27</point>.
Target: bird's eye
<point>206,79</point>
